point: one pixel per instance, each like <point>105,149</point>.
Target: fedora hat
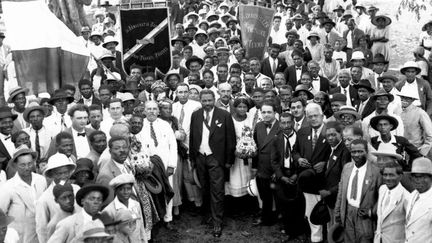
<point>33,107</point>
<point>292,32</point>
<point>107,55</point>
<point>347,15</point>
<point>6,112</point>
<point>60,94</point>
<point>320,214</point>
<point>194,59</point>
<point>252,188</point>
<point>215,24</point>
<point>379,58</point>
<point>109,39</point>
<point>83,164</point>
<point>131,86</point>
<point>339,8</point>
<point>203,22</point>
<point>303,87</point>
<point>233,40</point>
<point>337,97</point>
<point>359,5</point>
<point>58,160</point>
<point>191,26</point>
<point>213,30</point>
<point>407,93</point>
<point>85,29</point>
<point>382,92</point>
<point>374,121</point>
<point>347,110</point>
<point>307,180</point>
<point>336,234</point>
<point>232,20</point>
<point>15,91</point>
<point>426,24</point>
<point>422,165</point>
<point>313,34</point>
<point>387,20</point>
<point>94,229</point>
<point>152,184</point>
<point>364,83</point>
<point>90,188</point>
<point>122,179</point>
<point>95,33</point>
<point>192,14</point>
<point>127,96</point>
<point>212,15</point>
<point>408,65</point>
<point>195,178</point>
<point>387,152</point>
<point>170,73</point>
<point>23,150</point>
<point>357,55</point>
<point>329,21</point>
<point>385,76</point>
<point>372,8</point>
<point>5,220</point>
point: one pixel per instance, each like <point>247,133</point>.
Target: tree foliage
<point>414,6</point>
<point>71,12</point>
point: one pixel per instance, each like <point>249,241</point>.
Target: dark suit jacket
<point>218,104</point>
<point>369,108</point>
<point>369,195</point>
<point>335,164</point>
<point>291,76</point>
<point>95,101</point>
<point>53,148</point>
<point>278,157</point>
<point>324,84</point>
<point>352,92</point>
<point>425,94</point>
<point>184,72</point>
<point>321,153</point>
<point>402,146</point>
<point>177,13</point>
<point>262,161</point>
<point>266,67</point>
<point>356,34</point>
<point>301,8</point>
<point>222,139</point>
<point>4,156</point>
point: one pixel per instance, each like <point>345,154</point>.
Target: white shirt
<point>10,147</point>
<point>298,124</point>
<point>316,84</point>
<point>412,88</point>
<point>11,236</point>
<point>88,102</point>
<point>383,146</point>
<point>273,63</point>
<point>317,131</point>
<point>346,92</point>
<point>82,147</point>
<point>360,178</point>
<point>278,36</point>
<point>349,40</point>
<point>31,188</point>
<point>121,167</point>
<point>54,122</point>
<point>86,217</point>
<point>298,72</point>
<point>45,137</point>
<point>205,147</point>
<point>291,138</point>
<point>189,107</point>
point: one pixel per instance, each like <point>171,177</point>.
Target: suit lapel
<point>367,182</point>
<point>213,122</point>
<point>332,162</point>
<point>272,133</point>
<point>24,194</point>
<point>4,151</point>
<point>347,175</point>
<point>396,199</point>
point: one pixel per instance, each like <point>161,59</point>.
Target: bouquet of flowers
<point>246,146</point>
<point>141,165</point>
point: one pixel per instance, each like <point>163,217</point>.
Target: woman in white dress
<point>240,172</point>
<point>380,34</point>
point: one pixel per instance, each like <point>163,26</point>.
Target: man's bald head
<point>119,130</point>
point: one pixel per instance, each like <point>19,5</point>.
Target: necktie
<point>411,208</point>
<point>274,66</point>
<point>62,122</point>
<point>82,134</point>
<point>327,38</point>
<point>181,118</point>
<point>153,134</point>
<point>37,145</point>
<point>345,92</point>
<point>354,186</point>
<point>287,147</point>
<point>171,95</point>
<point>297,126</point>
<point>314,139</point>
<point>387,201</point>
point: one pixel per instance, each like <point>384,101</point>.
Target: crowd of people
<point>331,144</point>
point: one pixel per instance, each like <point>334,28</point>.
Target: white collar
<point>392,139</point>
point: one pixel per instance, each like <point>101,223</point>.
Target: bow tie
<point>83,134</point>
<point>97,216</point>
<point>298,68</point>
<point>268,125</point>
<point>316,79</point>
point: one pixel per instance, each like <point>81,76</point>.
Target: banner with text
<point>146,39</point>
<point>255,23</point>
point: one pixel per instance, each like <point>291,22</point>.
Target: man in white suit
<point>18,195</point>
<point>419,209</point>
<point>392,202</point>
<point>159,138</point>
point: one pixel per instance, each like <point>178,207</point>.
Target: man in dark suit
<point>305,8</point>
<point>211,149</point>
<point>346,88</point>
<point>6,145</point>
<point>264,133</point>
<point>178,11</point>
<point>81,145</point>
<point>293,73</point>
<point>311,152</point>
<point>86,89</point>
<point>289,200</point>
<point>339,156</point>
<point>358,195</point>
<point>273,63</point>
<point>365,106</point>
<point>319,83</point>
